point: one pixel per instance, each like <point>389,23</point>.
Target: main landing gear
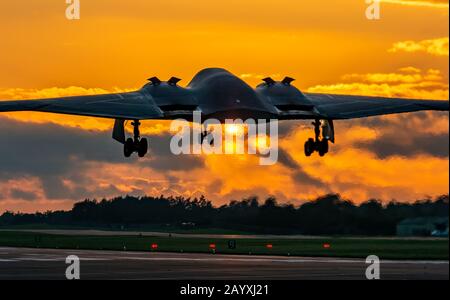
<point>205,134</point>
<point>136,144</point>
<point>320,144</point>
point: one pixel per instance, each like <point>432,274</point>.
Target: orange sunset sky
<point>50,161</point>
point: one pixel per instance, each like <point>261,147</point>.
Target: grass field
<point>338,247</point>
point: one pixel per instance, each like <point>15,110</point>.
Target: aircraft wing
<point>349,107</point>
<point>133,105</point>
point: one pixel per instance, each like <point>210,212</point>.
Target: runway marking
<point>249,260</point>
<point>48,258</point>
<point>37,259</point>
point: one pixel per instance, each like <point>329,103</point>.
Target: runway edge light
<point>212,247</point>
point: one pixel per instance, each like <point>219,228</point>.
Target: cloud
<point>420,3</point>
<point>437,47</point>
<point>247,76</point>
<point>360,173</point>
<point>69,164</point>
<point>407,82</point>
<point>403,135</point>
<point>403,143</point>
<point>25,195</point>
<point>299,175</point>
<point>406,75</point>
<point>25,188</point>
<point>54,92</point>
<point>62,159</point>
<point>58,154</point>
<point>160,157</point>
<point>410,70</point>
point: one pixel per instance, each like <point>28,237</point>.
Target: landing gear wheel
<point>324,132</point>
<point>128,147</point>
<point>136,143</point>
<point>309,147</point>
<point>323,147</point>
<point>143,147</point>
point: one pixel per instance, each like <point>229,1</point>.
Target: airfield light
<point>212,246</point>
<point>326,246</point>
<point>154,246</point>
<point>269,246</point>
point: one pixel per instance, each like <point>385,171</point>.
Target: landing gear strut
<point>320,144</point>
<point>135,144</point>
<point>204,135</point>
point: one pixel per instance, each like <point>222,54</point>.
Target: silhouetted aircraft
<point>216,93</point>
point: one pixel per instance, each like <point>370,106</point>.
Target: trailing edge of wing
<point>349,107</point>
<point>132,105</point>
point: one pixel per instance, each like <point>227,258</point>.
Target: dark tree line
<point>329,214</point>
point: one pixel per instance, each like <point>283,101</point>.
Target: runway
<point>26,263</point>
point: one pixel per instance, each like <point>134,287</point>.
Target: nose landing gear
<point>318,144</point>
<point>135,144</point>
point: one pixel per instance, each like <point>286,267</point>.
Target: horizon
<point>261,201</point>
